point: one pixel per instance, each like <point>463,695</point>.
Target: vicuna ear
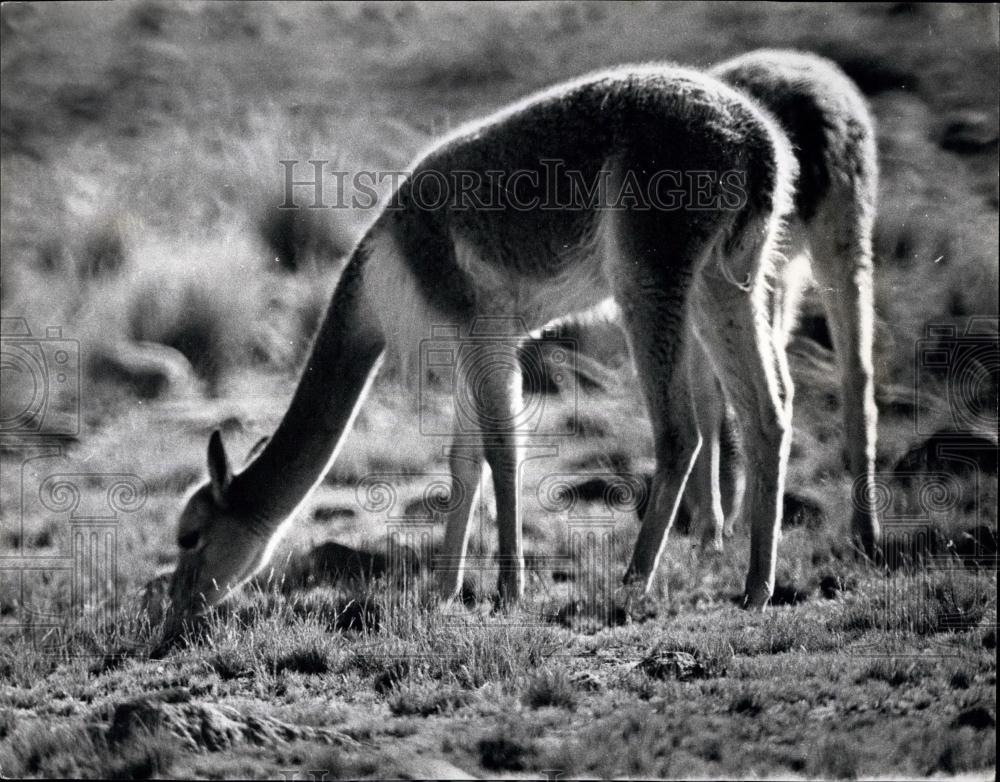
<point>257,448</point>
<point>219,470</point>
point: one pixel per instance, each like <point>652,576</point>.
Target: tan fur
<point>393,295</point>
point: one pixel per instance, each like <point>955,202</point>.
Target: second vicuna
<point>705,278</point>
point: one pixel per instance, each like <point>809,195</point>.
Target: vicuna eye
<point>188,540</point>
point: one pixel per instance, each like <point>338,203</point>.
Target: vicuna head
<point>222,543</point>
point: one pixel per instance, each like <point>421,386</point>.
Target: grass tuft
<point>427,698</point>
<point>312,660</point>
<point>550,688</point>
<point>507,748</point>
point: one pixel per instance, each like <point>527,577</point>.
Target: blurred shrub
<point>92,251</point>
<point>102,251</point>
<point>491,49</point>
<point>209,308</point>
<point>304,238</point>
<point>146,369</point>
<point>149,18</point>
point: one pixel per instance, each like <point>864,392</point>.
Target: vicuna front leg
<point>493,378</point>
<point>753,370</point>
<point>465,461</point>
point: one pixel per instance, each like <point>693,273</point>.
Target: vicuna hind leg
<point>714,494</point>
<point>704,491</point>
<point>733,475</point>
<point>842,263</point>
<point>741,345</point>
<point>653,317</point>
<point>676,438</point>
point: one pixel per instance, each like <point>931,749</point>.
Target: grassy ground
<point>140,149</point>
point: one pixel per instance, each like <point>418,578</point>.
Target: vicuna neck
<point>343,362</point>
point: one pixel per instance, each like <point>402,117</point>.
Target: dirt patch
<point>207,727</point>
